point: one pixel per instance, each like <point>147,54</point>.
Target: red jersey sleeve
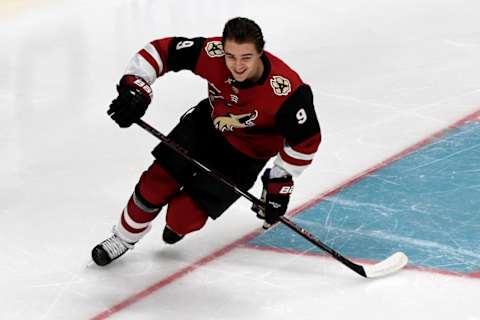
<point>163,55</point>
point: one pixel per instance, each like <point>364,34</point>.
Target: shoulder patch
<point>214,49</point>
<point>280,85</point>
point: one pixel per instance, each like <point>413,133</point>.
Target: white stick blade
<point>388,266</point>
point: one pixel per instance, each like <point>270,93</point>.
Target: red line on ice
<point>223,251</point>
<point>166,281</point>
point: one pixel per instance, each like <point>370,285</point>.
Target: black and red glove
<point>275,195</point>
<point>134,96</point>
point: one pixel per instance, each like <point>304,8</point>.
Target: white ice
<point>385,75</point>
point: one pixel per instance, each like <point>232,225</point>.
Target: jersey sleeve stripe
<point>140,67</point>
<point>293,160</point>
<point>159,50</point>
<point>147,56</point>
<point>293,167</point>
<point>289,151</point>
<point>155,55</point>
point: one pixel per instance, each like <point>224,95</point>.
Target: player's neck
<point>258,73</point>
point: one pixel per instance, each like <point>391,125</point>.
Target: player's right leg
<point>155,188</point>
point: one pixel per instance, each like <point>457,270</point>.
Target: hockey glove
<point>134,96</point>
<point>276,195</point>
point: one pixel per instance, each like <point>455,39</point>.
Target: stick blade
<point>388,266</point>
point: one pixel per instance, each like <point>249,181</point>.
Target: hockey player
<point>257,108</point>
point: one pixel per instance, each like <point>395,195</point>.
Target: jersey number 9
<point>301,116</point>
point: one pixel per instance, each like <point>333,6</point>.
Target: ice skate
<point>110,249</point>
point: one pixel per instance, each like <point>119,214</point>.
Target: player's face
<point>243,60</point>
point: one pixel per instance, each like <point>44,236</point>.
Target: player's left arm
<point>298,123</point>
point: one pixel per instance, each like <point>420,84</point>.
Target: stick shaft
<point>287,222</point>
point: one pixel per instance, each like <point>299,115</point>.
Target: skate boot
<point>110,249</point>
<point>170,237</point>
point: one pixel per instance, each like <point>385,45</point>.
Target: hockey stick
<point>385,267</point>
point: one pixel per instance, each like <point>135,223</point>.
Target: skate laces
<point>115,246</point>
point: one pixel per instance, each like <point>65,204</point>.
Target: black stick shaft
<point>257,202</point>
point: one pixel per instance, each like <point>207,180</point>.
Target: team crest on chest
<point>214,49</point>
<point>231,121</point>
<point>280,85</point>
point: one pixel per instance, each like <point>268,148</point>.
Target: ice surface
<point>385,75</point>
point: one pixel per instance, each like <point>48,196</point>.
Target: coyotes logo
<point>214,49</point>
<point>280,85</point>
<point>233,121</point>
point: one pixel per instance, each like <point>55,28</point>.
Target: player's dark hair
<point>243,30</point>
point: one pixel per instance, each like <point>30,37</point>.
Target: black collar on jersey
<point>266,71</point>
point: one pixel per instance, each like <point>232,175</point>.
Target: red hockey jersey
<point>274,116</point>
